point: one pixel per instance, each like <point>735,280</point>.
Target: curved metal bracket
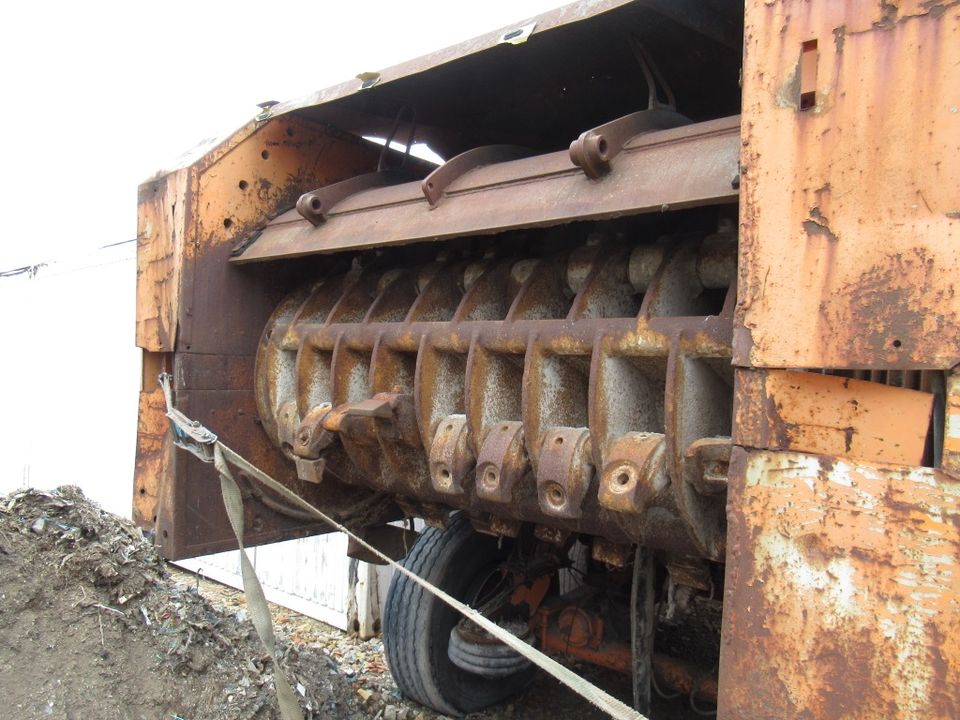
<point>594,149</point>
<point>434,185</point>
<point>501,463</point>
<point>315,205</point>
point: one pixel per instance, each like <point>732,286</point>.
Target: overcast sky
<point>99,95</point>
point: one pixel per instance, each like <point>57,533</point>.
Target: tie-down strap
<point>192,436</point>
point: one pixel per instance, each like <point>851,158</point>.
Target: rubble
<point>94,623</point>
<point>70,564</point>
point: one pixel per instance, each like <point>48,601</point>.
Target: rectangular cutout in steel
<point>808,75</point>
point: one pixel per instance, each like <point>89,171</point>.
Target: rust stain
<point>843,599</point>
<point>817,225</point>
<point>877,138</point>
<point>898,305</point>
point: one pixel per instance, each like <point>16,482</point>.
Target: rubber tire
<point>417,625</point>
<point>490,660</point>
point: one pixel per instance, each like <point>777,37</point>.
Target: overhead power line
<point>32,269</point>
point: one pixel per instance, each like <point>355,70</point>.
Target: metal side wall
<point>843,563</point>
<point>200,318</point>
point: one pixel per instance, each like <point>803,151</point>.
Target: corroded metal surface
<point>850,219</point>
<point>436,183</point>
<point>161,226</point>
<point>526,387</point>
<point>666,170</point>
<point>573,631</point>
<point>200,319</point>
<point>842,596</point>
<point>830,415</point>
<point>155,451</point>
<point>842,591</point>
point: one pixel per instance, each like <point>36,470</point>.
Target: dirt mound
<point>92,626</point>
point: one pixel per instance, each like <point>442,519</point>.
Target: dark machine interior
<point>537,96</point>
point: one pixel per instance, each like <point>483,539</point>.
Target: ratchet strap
<point>193,437</point>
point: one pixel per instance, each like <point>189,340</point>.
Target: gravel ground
<point>94,624</point>
<point>362,664</point>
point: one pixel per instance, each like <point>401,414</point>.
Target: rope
<point>192,436</point>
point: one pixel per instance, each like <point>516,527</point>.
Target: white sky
<point>96,97</point>
<point>99,95</point>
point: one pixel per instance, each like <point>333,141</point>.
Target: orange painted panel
<point>830,415</point>
<point>161,230</point>
<point>850,192</point>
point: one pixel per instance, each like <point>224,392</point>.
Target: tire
<point>417,625</point>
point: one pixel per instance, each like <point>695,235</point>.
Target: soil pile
<point>95,626</point>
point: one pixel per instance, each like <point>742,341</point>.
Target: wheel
<point>476,651</point>
<point>417,626</point>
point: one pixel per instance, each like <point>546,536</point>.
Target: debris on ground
<point>95,624</point>
<point>92,625</point>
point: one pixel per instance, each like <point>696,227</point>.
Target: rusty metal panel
<point>188,221</point>
<point>239,186</point>
<point>161,225</point>
<point>830,415</point>
<point>251,179</point>
<point>670,169</point>
<point>850,217</point>
<point>207,315</point>
<point>154,453</point>
<point>842,595</point>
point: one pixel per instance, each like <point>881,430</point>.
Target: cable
<point>693,692</point>
<point>122,242</point>
<point>32,269</point>
<point>642,630</point>
<point>411,138</point>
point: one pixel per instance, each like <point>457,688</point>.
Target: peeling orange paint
<point>843,593</point>
<point>849,237</point>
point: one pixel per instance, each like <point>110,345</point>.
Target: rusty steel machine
<point>680,302</point>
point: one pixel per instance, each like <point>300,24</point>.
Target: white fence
<point>311,576</point>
